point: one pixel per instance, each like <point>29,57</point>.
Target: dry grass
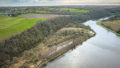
<point>69,29</point>
<point>17,65</point>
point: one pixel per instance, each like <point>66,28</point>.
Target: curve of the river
<point>100,51</point>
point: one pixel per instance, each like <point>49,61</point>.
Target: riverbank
<point>62,51</point>
<point>111,25</point>
<point>53,46</point>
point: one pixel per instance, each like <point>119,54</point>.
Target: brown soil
<point>48,16</point>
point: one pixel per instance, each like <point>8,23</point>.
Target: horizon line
<point>63,5</point>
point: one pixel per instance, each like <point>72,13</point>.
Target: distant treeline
<point>30,38</point>
<point>14,11</point>
<point>115,17</point>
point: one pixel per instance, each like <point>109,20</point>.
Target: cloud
<point>88,1</point>
<point>55,2</point>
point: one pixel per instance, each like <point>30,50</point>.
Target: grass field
<point>114,26</point>
<point>117,22</point>
<point>75,10</point>
<point>42,11</point>
<point>12,25</point>
<point>38,12</point>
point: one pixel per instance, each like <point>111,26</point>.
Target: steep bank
<point>54,46</point>
<point>61,51</point>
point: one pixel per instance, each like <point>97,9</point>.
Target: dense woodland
<point>28,39</point>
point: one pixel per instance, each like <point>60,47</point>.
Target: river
<point>100,51</point>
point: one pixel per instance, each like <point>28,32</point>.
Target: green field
<point>110,22</point>
<point>42,11</point>
<point>75,10</point>
<point>117,22</point>
<point>12,25</point>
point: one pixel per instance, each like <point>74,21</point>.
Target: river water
<point>100,51</point>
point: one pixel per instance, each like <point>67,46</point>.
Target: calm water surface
<point>100,51</point>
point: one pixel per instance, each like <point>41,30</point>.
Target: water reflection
<point>100,51</point>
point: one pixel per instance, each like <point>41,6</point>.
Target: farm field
<point>47,16</point>
<point>42,11</point>
<point>75,10</point>
<point>113,26</point>
<point>12,25</point>
<point>38,12</point>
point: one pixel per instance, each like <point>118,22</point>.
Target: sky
<point>55,2</point>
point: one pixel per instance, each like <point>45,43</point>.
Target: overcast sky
<point>54,2</point>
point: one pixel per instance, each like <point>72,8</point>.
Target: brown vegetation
<point>48,16</point>
<point>48,49</point>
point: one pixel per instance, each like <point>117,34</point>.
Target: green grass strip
<point>99,23</point>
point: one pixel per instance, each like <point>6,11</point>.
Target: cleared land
<point>12,25</point>
<point>48,16</point>
<point>113,26</point>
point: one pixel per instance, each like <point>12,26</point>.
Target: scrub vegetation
<point>49,49</point>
